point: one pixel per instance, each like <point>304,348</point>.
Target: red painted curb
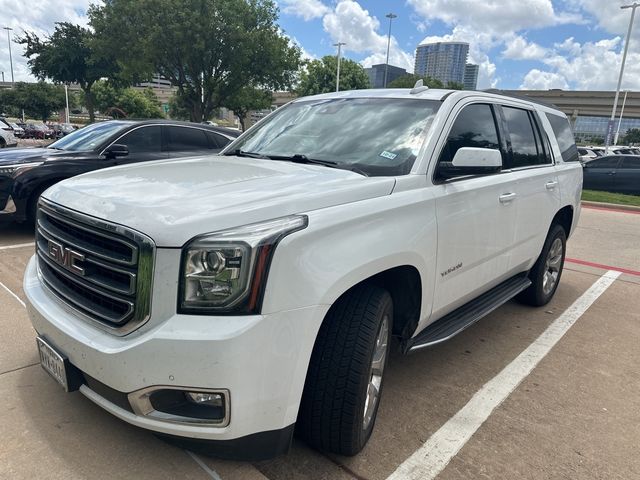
<point>605,267</point>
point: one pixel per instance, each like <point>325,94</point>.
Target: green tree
<point>455,86</point>
<point>38,100</point>
<point>177,108</point>
<point>409,80</point>
<point>209,49</point>
<point>126,102</point>
<point>319,76</point>
<point>68,56</point>
<point>632,136</point>
<point>247,99</point>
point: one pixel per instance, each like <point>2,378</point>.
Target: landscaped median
<point>613,199</point>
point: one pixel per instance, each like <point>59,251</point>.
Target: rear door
<point>599,174</point>
<point>536,183</point>
<point>627,177</point>
<point>476,215</point>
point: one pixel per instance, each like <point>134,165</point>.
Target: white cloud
<point>38,17</point>
<point>518,48</point>
<point>353,25</point>
<point>538,80</point>
<point>307,9</point>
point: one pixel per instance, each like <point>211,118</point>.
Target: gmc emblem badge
<point>66,257</point>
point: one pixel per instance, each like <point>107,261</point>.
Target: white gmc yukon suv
<point>219,301</point>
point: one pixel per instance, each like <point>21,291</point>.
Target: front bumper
<point>261,360</point>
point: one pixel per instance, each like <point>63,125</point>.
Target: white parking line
<point>212,473</point>
<point>13,294</point>
<point>436,453</point>
<point>18,245</point>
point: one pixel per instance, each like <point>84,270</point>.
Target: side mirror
<point>116,150</point>
<point>471,161</point>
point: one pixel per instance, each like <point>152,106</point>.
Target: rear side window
<point>184,139</point>
<point>564,136</point>
<point>631,162</point>
<point>474,127</point>
<point>526,143</point>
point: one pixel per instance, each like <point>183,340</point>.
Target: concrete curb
<point>611,206</point>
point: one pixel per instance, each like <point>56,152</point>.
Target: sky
<point>519,44</point>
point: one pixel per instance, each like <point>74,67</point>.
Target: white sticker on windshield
<point>388,155</point>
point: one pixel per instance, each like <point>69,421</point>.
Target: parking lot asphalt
<point>576,414</point>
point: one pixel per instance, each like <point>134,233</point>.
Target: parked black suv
<point>26,172</point>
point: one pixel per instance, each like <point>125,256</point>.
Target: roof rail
<point>496,91</point>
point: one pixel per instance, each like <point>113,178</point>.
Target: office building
<point>444,61</point>
<point>471,76</point>
<point>376,74</point>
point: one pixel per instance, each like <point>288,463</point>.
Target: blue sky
<point>538,44</point>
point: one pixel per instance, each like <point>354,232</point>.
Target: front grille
<point>102,270</point>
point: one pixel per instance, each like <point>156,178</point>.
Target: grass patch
<point>606,197</point>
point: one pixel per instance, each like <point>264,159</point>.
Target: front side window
<point>375,136</point>
<point>475,126</point>
<point>143,140</point>
<point>525,144</point>
<point>606,162</point>
<point>185,139</point>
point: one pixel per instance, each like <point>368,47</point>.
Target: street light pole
<point>8,29</point>
<point>66,97</point>
<point>624,59</point>
<point>339,45</point>
<point>390,16</point>
<point>624,101</point>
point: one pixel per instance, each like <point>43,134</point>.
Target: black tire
<point>2,143</point>
<point>332,412</point>
<point>538,294</point>
<point>32,205</point>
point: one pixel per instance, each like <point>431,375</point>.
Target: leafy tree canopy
<point>247,99</point>
<point>408,81</point>
<point>38,100</point>
<point>68,56</point>
<point>319,76</point>
<point>632,136</point>
<point>126,102</point>
<point>209,49</point>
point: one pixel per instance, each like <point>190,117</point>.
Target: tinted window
<point>218,141</point>
<point>474,127</point>
<point>143,140</point>
<point>564,136</point>
<point>606,162</point>
<point>631,162</point>
<point>526,149</point>
<point>582,151</point>
<point>184,139</point>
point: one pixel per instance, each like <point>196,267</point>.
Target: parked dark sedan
<point>613,173</point>
<point>26,172</point>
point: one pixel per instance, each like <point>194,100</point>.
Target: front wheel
<point>546,272</point>
<point>344,383</point>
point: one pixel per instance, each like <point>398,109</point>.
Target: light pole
<point>339,45</point>
<point>624,59</point>
<point>66,97</point>
<point>624,101</point>
<point>390,16</point>
<point>8,29</point>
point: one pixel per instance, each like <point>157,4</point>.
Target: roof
<point>162,121</point>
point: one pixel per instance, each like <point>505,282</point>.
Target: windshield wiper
<point>299,158</point>
<point>242,153</point>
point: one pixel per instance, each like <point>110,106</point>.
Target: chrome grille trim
<point>115,294</point>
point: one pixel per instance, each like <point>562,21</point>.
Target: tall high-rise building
<point>444,61</point>
<point>471,76</point>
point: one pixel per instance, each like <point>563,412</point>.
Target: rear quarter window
<point>564,136</point>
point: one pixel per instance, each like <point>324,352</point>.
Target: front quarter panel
<point>347,244</point>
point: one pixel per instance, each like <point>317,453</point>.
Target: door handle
<point>611,173</point>
<point>551,185</point>
<point>507,197</point>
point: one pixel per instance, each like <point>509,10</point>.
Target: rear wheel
<point>546,272</point>
<point>344,383</point>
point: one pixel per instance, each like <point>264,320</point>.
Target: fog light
<point>208,399</point>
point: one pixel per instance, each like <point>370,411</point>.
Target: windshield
<point>377,136</point>
<point>89,137</point>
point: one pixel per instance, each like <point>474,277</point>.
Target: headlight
<point>226,271</point>
<point>15,170</point>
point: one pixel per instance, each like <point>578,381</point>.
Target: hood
<point>10,156</point>
<point>172,201</point>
